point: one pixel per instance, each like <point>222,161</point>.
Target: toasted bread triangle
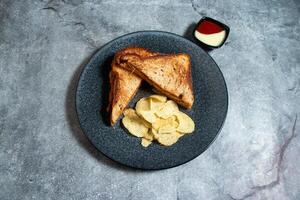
<point>169,74</point>
<point>124,84</point>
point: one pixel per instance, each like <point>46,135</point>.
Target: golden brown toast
<point>124,84</point>
<point>169,74</point>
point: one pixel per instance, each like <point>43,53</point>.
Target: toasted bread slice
<point>124,84</point>
<point>169,74</point>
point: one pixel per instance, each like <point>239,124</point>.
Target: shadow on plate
<point>74,126</point>
<point>105,89</point>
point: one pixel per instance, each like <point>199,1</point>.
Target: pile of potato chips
<point>156,118</point>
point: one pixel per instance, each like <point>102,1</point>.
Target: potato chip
<point>169,108</point>
<point>149,116</point>
<point>163,122</point>
<point>145,142</point>
<point>129,112</point>
<point>155,105</point>
<point>134,124</point>
<point>147,124</point>
<point>186,124</point>
<point>154,133</point>
<point>148,136</point>
<point>166,129</point>
<point>142,105</point>
<point>160,98</point>
<point>155,118</point>
<point>143,110</point>
<point>168,139</point>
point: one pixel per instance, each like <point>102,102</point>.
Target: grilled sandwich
<point>123,83</point>
<point>169,74</point>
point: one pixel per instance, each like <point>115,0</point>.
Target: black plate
<point>208,112</point>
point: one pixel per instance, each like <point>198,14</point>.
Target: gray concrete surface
<point>44,154</point>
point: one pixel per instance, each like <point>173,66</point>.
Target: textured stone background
<point>44,154</point>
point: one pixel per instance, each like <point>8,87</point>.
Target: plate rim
<point>91,60</point>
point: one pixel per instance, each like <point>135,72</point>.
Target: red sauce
<point>209,27</point>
